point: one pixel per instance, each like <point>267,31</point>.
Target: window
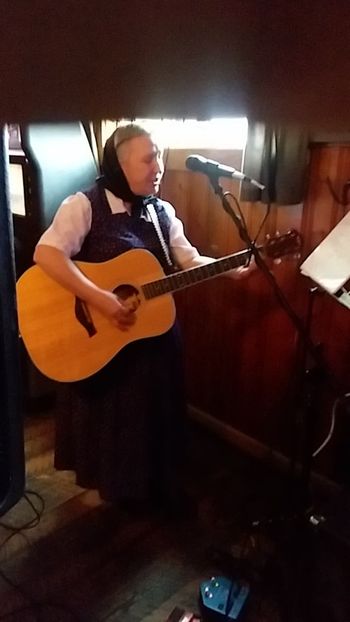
<point>219,133</point>
<point>16,185</point>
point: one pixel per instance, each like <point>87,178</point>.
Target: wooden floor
<point>88,561</point>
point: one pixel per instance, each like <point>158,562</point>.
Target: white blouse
<point>72,223</point>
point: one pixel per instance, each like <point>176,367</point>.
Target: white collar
<point>117,205</point>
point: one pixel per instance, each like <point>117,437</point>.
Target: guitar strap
<point>154,218</point>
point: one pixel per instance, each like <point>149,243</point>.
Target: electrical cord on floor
<point>336,404</point>
<point>35,607</point>
<point>31,523</point>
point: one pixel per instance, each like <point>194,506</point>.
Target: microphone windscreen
<point>192,163</point>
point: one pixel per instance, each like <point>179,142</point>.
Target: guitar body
<point>69,341</point>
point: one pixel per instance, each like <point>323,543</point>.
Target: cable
<point>267,213</point>
<point>331,430</point>
<point>34,521</point>
<point>241,215</point>
<point>264,219</point>
<point>244,223</point>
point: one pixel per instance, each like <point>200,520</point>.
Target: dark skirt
<point>122,430</point>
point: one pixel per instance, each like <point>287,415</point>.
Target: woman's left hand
<point>243,271</point>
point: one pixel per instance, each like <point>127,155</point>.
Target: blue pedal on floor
<point>222,599</point>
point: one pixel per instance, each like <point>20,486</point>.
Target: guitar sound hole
<point>129,295</point>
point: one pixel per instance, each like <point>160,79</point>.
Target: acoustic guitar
<point>67,340</point>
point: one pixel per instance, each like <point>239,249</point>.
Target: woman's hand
<point>243,271</point>
<point>119,314</point>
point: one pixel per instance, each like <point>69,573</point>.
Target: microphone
<point>199,164</point>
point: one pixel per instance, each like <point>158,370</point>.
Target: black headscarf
<point>113,178</point>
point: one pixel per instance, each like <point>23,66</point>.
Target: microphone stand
<point>306,347</point>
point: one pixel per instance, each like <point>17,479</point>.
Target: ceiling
<point>91,59</point>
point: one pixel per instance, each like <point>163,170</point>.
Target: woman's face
<point>142,164</point>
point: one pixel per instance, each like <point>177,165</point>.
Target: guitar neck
<point>191,276</point>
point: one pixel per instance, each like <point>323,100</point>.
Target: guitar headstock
<point>279,246</point>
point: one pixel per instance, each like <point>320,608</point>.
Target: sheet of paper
<point>329,264</point>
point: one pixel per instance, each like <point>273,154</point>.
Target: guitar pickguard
<point>83,316</point>
<point>127,293</point>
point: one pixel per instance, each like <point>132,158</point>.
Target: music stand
<point>329,264</point>
<point>329,267</point>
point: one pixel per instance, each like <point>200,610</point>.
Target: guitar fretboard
<point>186,278</point>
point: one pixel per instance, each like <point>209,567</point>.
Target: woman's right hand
<point>113,309</point>
<point>63,270</point>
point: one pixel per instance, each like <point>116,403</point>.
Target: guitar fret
<point>195,275</point>
<point>223,267</point>
<point>158,286</point>
<point>183,279</point>
<point>146,291</point>
<point>179,280</point>
<point>212,269</point>
<point>151,290</point>
<point>187,278</point>
<point>203,271</point>
<point>167,285</point>
<point>226,265</point>
<point>171,281</point>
